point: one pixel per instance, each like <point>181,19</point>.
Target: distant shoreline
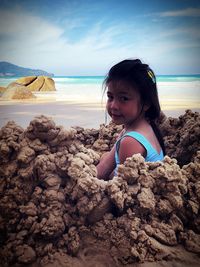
<point>99,76</point>
<point>12,70</point>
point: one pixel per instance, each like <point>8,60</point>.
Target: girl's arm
<point>106,165</point>
<point>128,147</point>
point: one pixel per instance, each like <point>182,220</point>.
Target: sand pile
<point>55,212</point>
<point>37,83</point>
<point>17,91</point>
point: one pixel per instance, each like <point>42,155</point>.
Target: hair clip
<point>151,75</point>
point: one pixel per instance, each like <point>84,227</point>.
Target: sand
<point>66,113</point>
<point>55,212</point>
<point>75,112</point>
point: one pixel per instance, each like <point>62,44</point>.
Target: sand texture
<point>15,91</point>
<point>37,83</point>
<point>55,212</point>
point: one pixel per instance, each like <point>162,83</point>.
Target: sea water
<point>183,90</point>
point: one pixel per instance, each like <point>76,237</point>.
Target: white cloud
<point>190,33</point>
<point>24,37</point>
<point>188,12</point>
<point>99,37</point>
<point>31,41</point>
<point>20,24</point>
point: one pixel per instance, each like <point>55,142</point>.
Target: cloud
<point>32,41</point>
<point>98,37</point>
<point>26,37</point>
<point>188,12</point>
<point>189,33</point>
<point>20,25</point>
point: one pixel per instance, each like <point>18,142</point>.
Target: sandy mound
<point>2,89</point>
<point>37,83</point>
<point>55,212</point>
<point>17,91</point>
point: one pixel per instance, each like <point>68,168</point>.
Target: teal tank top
<point>151,154</point>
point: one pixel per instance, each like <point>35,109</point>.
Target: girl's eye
<point>124,98</point>
<point>110,98</point>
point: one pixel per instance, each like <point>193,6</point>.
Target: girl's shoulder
<point>127,146</point>
<point>149,141</point>
<point>130,142</point>
<point>136,136</point>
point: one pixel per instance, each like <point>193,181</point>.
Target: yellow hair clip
<point>151,75</point>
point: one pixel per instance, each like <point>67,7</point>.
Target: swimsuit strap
<point>151,151</point>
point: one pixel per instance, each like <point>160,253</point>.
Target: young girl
<point>133,102</point>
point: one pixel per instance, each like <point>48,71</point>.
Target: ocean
<point>184,90</point>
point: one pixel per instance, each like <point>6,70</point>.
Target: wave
<point>62,82</point>
<point>178,78</point>
<point>79,80</point>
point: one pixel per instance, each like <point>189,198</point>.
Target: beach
<point>81,101</point>
<point>66,113</point>
<point>70,113</point>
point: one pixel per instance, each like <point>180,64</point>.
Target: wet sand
<point>89,114</point>
<point>64,113</point>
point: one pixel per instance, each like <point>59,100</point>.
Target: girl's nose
<point>114,104</point>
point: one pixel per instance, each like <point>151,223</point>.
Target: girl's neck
<point>137,125</point>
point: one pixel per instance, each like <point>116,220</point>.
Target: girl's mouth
<point>116,116</point>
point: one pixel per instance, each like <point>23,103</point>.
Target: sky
<point>87,37</point>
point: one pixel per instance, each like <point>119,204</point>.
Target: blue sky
<point>88,37</point>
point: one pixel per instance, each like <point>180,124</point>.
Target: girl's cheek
<point>108,108</point>
<point>107,105</point>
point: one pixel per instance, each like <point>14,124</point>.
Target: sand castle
<point>53,207</point>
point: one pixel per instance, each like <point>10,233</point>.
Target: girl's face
<point>124,103</point>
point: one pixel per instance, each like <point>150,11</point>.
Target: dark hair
<point>142,78</point>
